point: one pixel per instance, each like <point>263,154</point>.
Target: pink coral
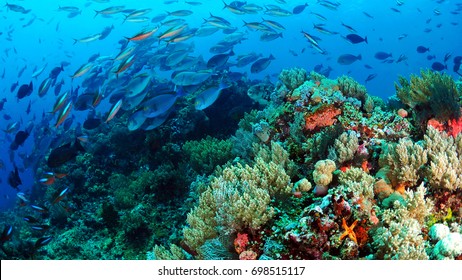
<point>455,127</point>
<point>241,241</point>
<point>248,255</point>
<point>324,116</point>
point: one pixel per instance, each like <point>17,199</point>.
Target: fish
<point>25,90</point>
<point>180,13</point>
<point>246,59</point>
<point>172,32</point>
<point>39,208</point>
<point>136,120</point>
<point>273,24</point>
<point>142,35</point>
<point>261,64</point>
<point>64,114</point>
<point>188,78</point>
<point>39,71</point>
<point>351,29</point>
<point>137,13</point>
<point>207,97</point>
<point>22,71</point>
<point>106,31</point>
<point>41,228</point>
<point>13,86</point>
<point>347,59</point>
<point>42,241</point>
<point>422,49</point>
<point>299,9</point>
<point>60,195</point>
<point>13,178</point>
<point>56,71</point>
<point>382,55</point>
<point>110,10</point>
<point>92,123</point>
<point>367,15</point>
<point>370,77</point>
<point>113,112</point>
<point>82,70</point>
<point>30,219</point>
<point>7,234</point>
<point>160,104</point>
<point>17,8</point>
<point>125,64</point>
<point>19,139</point>
<point>219,60</point>
<point>355,39</point>
<point>438,66</point>
<point>64,153</point>
<point>266,37</point>
<point>88,39</point>
<point>60,101</point>
<point>2,103</point>
<point>44,86</point>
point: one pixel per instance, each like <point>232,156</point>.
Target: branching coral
<point>444,153</point>
<point>174,253</point>
<point>432,94</point>
<point>293,78</point>
<point>239,198</point>
<point>206,154</point>
<point>351,88</point>
<point>345,147</point>
<point>400,235</point>
<point>357,186</point>
<point>403,163</point>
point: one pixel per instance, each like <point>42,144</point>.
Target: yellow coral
<point>345,146</point>
<point>239,198</point>
<point>322,174</point>
<point>444,152</point>
<point>403,163</point>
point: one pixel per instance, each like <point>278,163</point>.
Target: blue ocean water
<point>44,34</point>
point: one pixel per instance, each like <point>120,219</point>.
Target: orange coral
<point>324,116</point>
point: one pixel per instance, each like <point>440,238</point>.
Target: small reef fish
<point>64,153</point>
<point>207,97</point>
<point>115,108</point>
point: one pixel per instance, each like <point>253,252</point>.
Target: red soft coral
<point>454,127</point>
<point>324,116</point>
<point>241,241</point>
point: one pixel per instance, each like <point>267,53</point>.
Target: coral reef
<point>313,168</point>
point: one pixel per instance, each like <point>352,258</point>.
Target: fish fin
<point>78,146</point>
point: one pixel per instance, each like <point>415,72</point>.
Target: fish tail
<point>97,13</point>
<point>75,41</point>
<point>365,40</point>
<point>359,57</point>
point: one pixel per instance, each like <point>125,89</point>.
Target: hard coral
<point>324,116</point>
